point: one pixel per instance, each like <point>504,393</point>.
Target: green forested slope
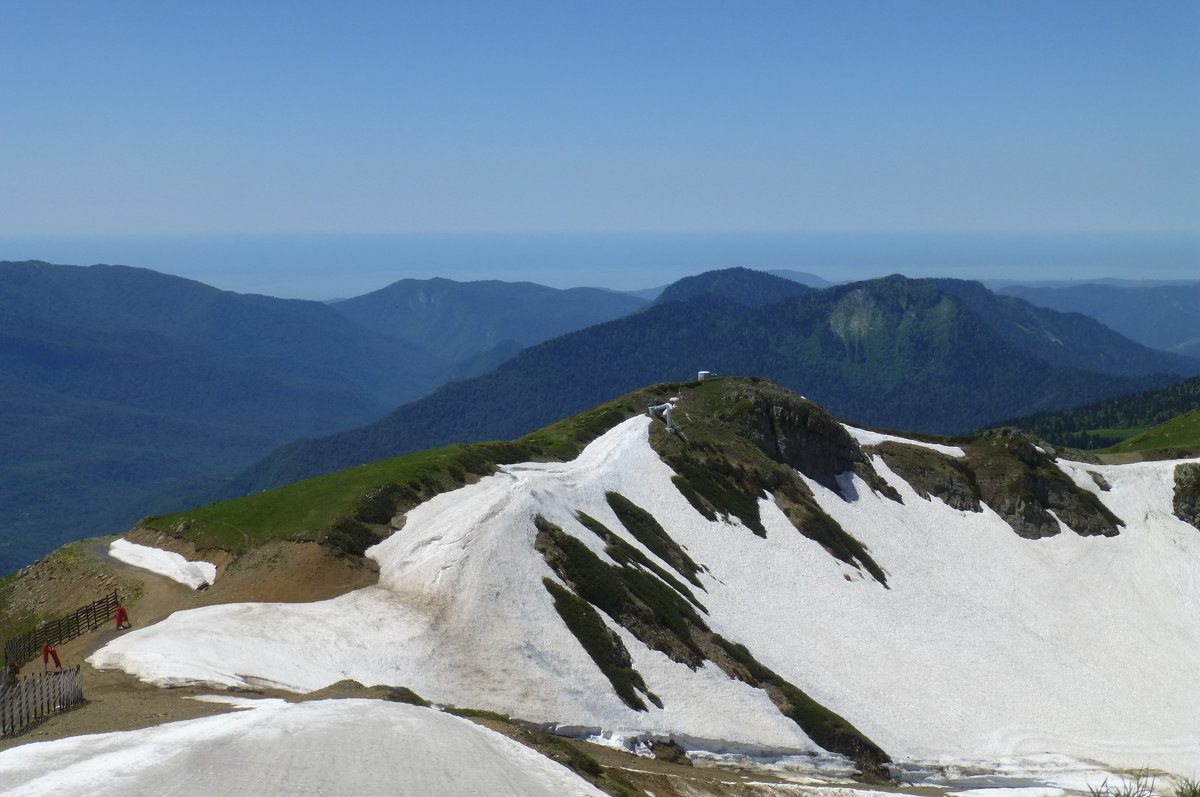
<point>1066,338</point>
<point>1107,422</point>
<point>456,320</point>
<point>1163,316</point>
<point>742,286</point>
<point>894,353</point>
<point>115,381</point>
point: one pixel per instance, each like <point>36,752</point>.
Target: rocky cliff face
<point>743,438</point>
<point>1017,477</point>
<point>1186,502</point>
<point>800,434</point>
<point>932,473</point>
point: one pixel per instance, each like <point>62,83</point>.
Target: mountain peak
<point>742,286</point>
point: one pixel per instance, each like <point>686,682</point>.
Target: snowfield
<point>275,748</point>
<point>165,563</point>
<point>984,645</point>
<point>865,437</point>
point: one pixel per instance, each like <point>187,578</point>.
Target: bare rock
<point>1186,502</point>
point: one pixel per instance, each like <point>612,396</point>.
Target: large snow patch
<point>984,645</point>
<point>460,615</point>
<point>166,563</point>
<point>280,749</point>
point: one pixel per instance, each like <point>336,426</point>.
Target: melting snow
<point>985,645</point>
<point>868,438</point>
<point>165,563</point>
<point>278,749</point>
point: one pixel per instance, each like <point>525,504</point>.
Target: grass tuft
<point>1140,785</point>
<point>1187,787</point>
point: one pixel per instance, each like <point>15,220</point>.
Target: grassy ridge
<point>339,507</point>
<point>1182,431</point>
<point>301,509</point>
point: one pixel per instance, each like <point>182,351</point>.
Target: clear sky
<point>139,118</point>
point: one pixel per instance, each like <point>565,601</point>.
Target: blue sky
<point>158,119</point>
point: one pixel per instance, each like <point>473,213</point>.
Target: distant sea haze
<point>339,266</point>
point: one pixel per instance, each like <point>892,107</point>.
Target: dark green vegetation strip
<point>713,485</point>
<point>476,713</point>
<point>633,597</point>
<point>602,644</point>
<point>822,725</point>
<point>623,553</point>
<point>665,621</point>
<point>647,530</point>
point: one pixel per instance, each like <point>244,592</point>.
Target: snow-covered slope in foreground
<point>275,748</point>
<point>984,644</point>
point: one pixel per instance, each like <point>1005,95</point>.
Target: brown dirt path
<point>116,701</point>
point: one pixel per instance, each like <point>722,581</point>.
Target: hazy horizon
<point>340,266</point>
<point>331,149</point>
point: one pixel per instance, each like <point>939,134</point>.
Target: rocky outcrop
<point>741,438</point>
<point>1017,478</point>
<point>1186,502</point>
<point>671,752</point>
<point>1100,481</point>
<point>802,435</point>
<point>932,473</point>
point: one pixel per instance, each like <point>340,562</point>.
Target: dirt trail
<point>116,701</point>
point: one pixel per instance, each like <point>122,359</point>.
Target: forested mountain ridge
<point>893,352</point>
<point>1066,338</point>
<point>740,285</point>
<point>1109,421</point>
<point>458,320</point>
<point>115,381</point>
<point>1162,316</point>
<point>94,420</point>
<point>289,338</point>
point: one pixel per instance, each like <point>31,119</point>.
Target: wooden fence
<point>21,649</point>
<point>30,699</point>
